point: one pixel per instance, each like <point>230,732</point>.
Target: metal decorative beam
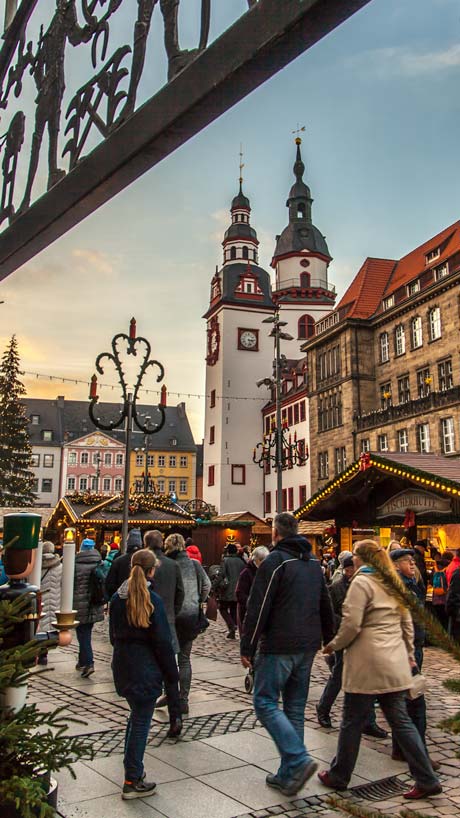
<point>203,84</point>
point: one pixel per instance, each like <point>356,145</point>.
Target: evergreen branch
<point>452,684</point>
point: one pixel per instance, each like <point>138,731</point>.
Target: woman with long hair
<point>377,635</point>
<point>143,659</point>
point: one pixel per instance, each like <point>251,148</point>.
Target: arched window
<point>301,210</point>
<point>254,255</point>
<point>245,252</point>
<point>305,280</point>
<point>306,327</point>
<point>233,252</point>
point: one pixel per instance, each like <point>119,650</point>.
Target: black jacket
<point>243,589</point>
<point>289,609</point>
<point>168,584</point>
<point>231,568</point>
<point>421,565</point>
<point>338,591</point>
<point>118,572</point>
<point>453,597</point>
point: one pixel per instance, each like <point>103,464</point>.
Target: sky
<point>380,103</point>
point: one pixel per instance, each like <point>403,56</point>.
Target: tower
<point>239,353</point>
<point>301,260</point>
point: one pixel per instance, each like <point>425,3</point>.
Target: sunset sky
<point>380,102</point>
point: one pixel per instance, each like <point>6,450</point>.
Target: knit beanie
<point>87,544</point>
<point>134,541</point>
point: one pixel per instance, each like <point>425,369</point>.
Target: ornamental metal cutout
<point>81,116</point>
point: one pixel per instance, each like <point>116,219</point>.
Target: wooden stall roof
<point>312,529</point>
<point>239,519</point>
<point>107,511</point>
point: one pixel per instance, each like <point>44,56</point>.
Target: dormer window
<point>35,420</point>
<point>388,302</point>
<point>413,287</point>
<point>432,255</point>
<point>248,287</point>
<point>441,271</point>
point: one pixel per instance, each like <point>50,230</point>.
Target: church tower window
<point>245,252</point>
<point>305,280</point>
<point>305,327</point>
<point>232,252</point>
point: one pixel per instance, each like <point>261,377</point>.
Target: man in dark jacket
<point>246,578</point>
<point>453,605</point>
<point>121,565</point>
<point>421,546</point>
<point>229,574</point>
<point>289,614</point>
<point>167,582</point>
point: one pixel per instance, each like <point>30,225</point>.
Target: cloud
<point>93,261</point>
<point>410,63</point>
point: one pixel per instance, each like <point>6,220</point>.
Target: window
<point>47,485</point>
<point>212,435</point>
<point>161,485</point>
<point>84,458</point>
<point>72,460</point>
<point>323,465</point>
<point>139,459</point>
<point>302,495</point>
<point>268,502</point>
<point>47,434</point>
<point>284,500</point>
<point>106,484</point>
<point>340,459</point>
<point>35,485</point>
<point>330,410</point>
<point>238,475</point>
<point>413,287</point>
<point>423,437</point>
<point>71,484</point>
<point>442,271</point>
<point>95,458</point>
<point>365,445</point>
<point>212,401</point>
<point>232,252</point>
<point>305,280</point>
<point>403,440</point>
<point>171,486</point>
<point>388,302</point>
<point>35,420</point>
<point>211,475</point>
<point>119,459</point>
<point>432,255</point>
<point>118,484</point>
<point>302,410</point>
<point>385,395</point>
<point>448,435</point>
<point>94,484</point>
<point>290,416</point>
<point>296,413</point>
<point>83,483</point>
<point>161,460</point>
<point>384,348</point>
<point>382,443</point>
<point>290,499</point>
<point>445,378</point>
<point>423,382</point>
<point>173,441</point>
<point>246,255</point>
<point>305,327</point>
<point>434,322</point>
<point>184,461</point>
<point>416,332</point>
<point>183,486</point>
<point>48,461</point>
<point>403,389</point>
<point>400,340</point>
<point>150,460</point>
<point>34,461</point>
<point>172,461</point>
<point>107,459</point>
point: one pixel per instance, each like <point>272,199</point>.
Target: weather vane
<point>299,130</point>
<point>241,164</point>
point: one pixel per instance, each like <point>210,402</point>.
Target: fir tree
<point>16,479</point>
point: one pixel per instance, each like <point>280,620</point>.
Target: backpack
<point>97,585</point>
<point>439,582</point>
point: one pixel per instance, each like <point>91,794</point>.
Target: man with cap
<point>121,564</point>
<point>338,591</point>
<point>405,564</point>
<point>338,573</point>
<point>420,548</point>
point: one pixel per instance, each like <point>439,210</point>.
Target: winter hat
<point>194,553</point>
<point>87,544</point>
<point>48,547</point>
<point>134,541</point>
<point>347,562</point>
<point>343,556</point>
<point>399,553</point>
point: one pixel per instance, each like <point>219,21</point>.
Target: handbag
<point>418,686</point>
<point>211,608</point>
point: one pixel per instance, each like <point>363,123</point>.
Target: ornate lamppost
<point>132,345</point>
<point>277,446</point>
<point>97,462</point>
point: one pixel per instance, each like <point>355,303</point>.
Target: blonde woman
<point>377,635</point>
<point>143,659</point>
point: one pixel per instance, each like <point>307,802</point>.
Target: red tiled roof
<point>410,266</point>
<point>366,290</point>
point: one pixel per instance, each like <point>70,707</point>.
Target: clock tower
<point>239,353</point>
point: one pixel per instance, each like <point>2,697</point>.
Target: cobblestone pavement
<point>218,768</point>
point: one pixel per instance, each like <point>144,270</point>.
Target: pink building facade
<point>94,462</point>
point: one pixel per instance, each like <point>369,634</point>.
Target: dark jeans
<point>288,675</point>
<point>185,668</point>
<point>85,653</point>
<point>333,688</point>
<point>439,611</point>
<point>228,613</point>
<point>416,709</point>
<point>356,709</point>
<point>137,731</point>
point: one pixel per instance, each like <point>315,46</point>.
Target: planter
<point>11,812</point>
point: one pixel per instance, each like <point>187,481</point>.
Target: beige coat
<point>378,638</point>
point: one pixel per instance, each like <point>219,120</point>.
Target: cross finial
<point>241,164</point>
<point>299,130</point>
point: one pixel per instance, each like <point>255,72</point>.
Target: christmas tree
<point>16,479</point>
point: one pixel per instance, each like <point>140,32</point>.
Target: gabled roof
<point>365,292</point>
<point>414,263</point>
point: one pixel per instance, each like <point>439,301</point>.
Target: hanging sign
<point>421,502</point>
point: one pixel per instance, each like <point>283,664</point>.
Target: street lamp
<point>277,447</point>
<point>145,449</point>
<point>97,462</point>
<point>131,344</point>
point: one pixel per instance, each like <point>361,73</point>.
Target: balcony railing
<point>380,417</point>
<point>315,284</point>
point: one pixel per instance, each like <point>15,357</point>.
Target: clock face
<point>248,339</point>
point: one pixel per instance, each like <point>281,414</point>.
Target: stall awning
<point>103,511</point>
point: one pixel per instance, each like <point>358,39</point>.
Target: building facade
<point>94,462</point>
<point>384,367</point>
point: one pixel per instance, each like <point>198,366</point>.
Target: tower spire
<point>241,167</point>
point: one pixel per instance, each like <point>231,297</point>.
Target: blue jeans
<point>137,732</point>
<point>85,653</point>
<point>288,674</point>
<point>356,709</point>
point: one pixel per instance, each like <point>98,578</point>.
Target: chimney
<point>164,396</point>
<point>60,401</point>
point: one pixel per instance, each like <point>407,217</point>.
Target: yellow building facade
<point>169,470</point>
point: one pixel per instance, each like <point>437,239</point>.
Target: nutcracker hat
<point>21,531</point>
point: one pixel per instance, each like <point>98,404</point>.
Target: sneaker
<point>324,719</point>
<point>78,666</point>
<point>87,671</point>
<point>162,702</point>
<point>137,789</point>
<point>274,781</point>
<point>300,778</point>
